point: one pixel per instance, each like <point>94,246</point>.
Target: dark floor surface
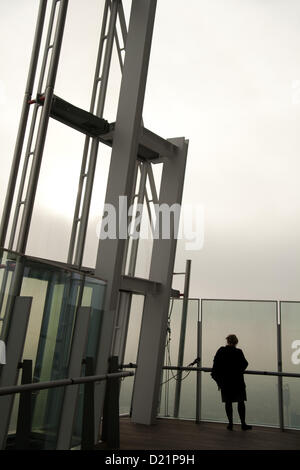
<point>172,434</point>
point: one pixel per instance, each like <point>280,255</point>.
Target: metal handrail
<point>250,372</point>
<point>62,383</point>
<point>209,369</point>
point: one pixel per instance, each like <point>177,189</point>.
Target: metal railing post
<point>25,406</point>
<point>110,424</point>
<point>88,421</point>
<point>182,335</point>
<point>199,373</point>
<point>279,361</point>
<point>112,438</point>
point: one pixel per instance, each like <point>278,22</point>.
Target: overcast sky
<point>223,73</point>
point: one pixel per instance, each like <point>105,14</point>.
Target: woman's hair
<point>232,339</point>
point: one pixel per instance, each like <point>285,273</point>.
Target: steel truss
<point>134,150</point>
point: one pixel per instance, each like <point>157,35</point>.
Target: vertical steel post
<point>155,317</point>
<point>110,425</point>
<point>131,199</point>
<point>29,152</point>
<point>154,199</point>
<point>87,139</point>
<point>42,131</point>
<point>199,355</point>
<point>279,367</point>
<point>25,408</point>
<point>182,335</point>
<point>95,142</point>
<point>120,336</point>
<point>140,202</point>
<point>87,435</point>
<point>110,255</point>
<point>23,123</point>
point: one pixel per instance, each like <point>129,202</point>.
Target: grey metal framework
<point>134,150</point>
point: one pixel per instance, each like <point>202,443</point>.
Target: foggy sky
<point>225,75</point>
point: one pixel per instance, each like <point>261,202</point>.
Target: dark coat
<point>228,369</point>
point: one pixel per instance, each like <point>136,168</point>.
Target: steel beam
<point>154,326</point>
<point>139,285</point>
<point>151,146</point>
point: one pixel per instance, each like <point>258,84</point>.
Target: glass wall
<point>255,325</point>
<point>290,334</point>
<point>57,293</point>
<point>131,350</point>
<point>186,389</point>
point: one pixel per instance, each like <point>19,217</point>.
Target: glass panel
<point>255,324</point>
<point>290,333</point>
<point>53,353</point>
<point>7,267</point>
<point>37,289</point>
<point>57,293</point>
<point>167,393</point>
<point>93,295</point>
<point>187,406</point>
<point>131,350</point>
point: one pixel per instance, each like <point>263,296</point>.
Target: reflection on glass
<point>187,393</point>
<point>168,382</point>
<point>7,265</point>
<point>255,324</point>
<point>57,293</point>
<point>131,350</point>
<point>93,296</point>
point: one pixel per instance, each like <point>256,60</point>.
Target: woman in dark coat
<point>228,371</point>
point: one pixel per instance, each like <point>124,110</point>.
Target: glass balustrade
<point>257,324</point>
<point>176,385</point>
<point>57,292</point>
<point>290,333</point>
<point>130,355</point>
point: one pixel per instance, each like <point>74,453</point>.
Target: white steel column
<point>122,167</point>
<point>155,316</point>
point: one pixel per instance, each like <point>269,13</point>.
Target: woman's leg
<point>228,409</point>
<point>242,415</point>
